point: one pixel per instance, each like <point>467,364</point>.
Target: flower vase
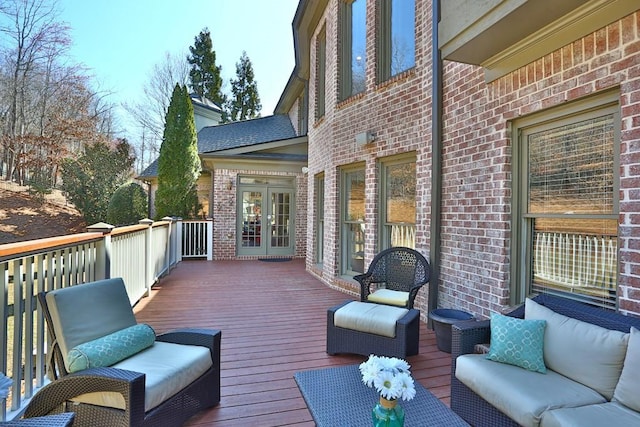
<point>387,413</point>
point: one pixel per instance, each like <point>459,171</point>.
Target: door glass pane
<point>400,200</point>
<point>251,218</point>
<point>280,219</point>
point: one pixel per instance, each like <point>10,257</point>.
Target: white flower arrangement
<point>390,377</point>
<point>5,383</point>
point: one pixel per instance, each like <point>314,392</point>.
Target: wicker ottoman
<point>364,328</point>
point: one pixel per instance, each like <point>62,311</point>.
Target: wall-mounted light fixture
<point>305,170</point>
<point>230,184</point>
<point>364,138</point>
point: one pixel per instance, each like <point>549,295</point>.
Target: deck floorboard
<point>273,321</point>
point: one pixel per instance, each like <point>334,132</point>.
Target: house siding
<point>476,157</point>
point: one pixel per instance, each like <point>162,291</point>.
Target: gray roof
<point>245,133</point>
<point>239,134</point>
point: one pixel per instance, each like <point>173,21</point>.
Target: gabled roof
<point>245,133</point>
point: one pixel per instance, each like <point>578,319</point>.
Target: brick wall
<point>477,162</point>
<point>476,206</point>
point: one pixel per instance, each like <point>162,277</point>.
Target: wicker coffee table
<point>338,397</point>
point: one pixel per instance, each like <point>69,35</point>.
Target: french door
<point>265,220</point>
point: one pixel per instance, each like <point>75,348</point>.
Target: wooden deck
<point>273,321</point>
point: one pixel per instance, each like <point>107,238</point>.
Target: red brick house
<point>508,156</point>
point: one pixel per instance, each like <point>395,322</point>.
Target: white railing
<point>197,239</point>
<point>575,261</point>
<point>403,235</point>
<point>140,254</point>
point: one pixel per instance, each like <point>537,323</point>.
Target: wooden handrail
<point>38,245</point>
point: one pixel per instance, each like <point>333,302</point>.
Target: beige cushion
<point>606,414</point>
<point>168,367</point>
<point>589,354</point>
<point>521,394</point>
<point>83,313</point>
<point>387,296</point>
<point>627,391</point>
<point>373,318</point>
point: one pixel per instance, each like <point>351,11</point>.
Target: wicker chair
<point>120,395</point>
<point>394,277</point>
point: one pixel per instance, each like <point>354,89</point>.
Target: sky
<point>119,41</point>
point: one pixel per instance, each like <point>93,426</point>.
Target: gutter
<point>435,249</point>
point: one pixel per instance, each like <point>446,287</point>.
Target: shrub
<point>128,205</point>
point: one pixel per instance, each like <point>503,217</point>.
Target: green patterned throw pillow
<point>517,342</point>
<point>112,348</point>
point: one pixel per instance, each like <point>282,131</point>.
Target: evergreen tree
<point>128,205</point>
<point>245,103</point>
<point>178,164</point>
<point>94,177</point>
<point>204,76</point>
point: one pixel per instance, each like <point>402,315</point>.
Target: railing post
<point>209,239</point>
<point>178,240</point>
<point>103,250</point>
<point>169,244</point>
<point>148,275</point>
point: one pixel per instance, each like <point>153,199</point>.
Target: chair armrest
<point>127,383</point>
<point>413,292</point>
<point>466,334</point>
<point>365,281</point>
<point>209,338</point>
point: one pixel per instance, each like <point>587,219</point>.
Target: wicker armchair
<point>166,390</point>
<point>394,277</point>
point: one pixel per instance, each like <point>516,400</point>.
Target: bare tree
<point>32,37</point>
<point>149,113</point>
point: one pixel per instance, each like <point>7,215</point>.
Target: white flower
<point>390,377</point>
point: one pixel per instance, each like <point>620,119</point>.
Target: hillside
<point>23,218</point>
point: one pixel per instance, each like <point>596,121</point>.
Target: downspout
<point>436,161</point>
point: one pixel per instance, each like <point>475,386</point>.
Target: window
<point>352,221</point>
<point>353,56</point>
<point>319,218</point>
<point>567,202</point>
<point>321,59</point>
<point>396,37</point>
<point>398,202</point>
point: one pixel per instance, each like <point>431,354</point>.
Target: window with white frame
<point>353,55</point>
<point>319,197</point>
<point>395,37</point>
<point>566,202</point>
<point>398,202</point>
<point>352,189</point>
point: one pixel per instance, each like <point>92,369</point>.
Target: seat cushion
<point>373,318</point>
<point>83,313</point>
<point>112,348</point>
<point>627,391</point>
<point>168,367</point>
<point>388,296</point>
<point>606,414</point>
<point>600,351</point>
<point>521,394</point>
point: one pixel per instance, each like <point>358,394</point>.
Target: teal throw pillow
<point>517,342</point>
<point>112,348</point>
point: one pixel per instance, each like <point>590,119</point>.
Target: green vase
<point>387,413</point>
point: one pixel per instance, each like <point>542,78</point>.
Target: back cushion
<point>586,353</point>
<point>85,312</point>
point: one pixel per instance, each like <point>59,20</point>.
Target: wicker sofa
<point>112,371</point>
<point>588,389</point>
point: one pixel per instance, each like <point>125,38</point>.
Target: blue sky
<point>119,41</point>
